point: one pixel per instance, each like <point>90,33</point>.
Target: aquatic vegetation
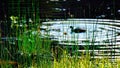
<point>35,51</point>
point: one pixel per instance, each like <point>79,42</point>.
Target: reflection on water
<point>61,31</point>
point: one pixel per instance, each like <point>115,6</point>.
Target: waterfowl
<point>77,30</point>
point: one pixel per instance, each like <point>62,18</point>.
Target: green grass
<point>83,62</point>
<point>32,44</point>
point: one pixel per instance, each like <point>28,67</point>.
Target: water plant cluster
<point>35,51</point>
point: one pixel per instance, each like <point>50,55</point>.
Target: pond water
<point>94,31</point>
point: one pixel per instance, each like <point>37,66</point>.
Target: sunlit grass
<point>86,62</point>
<point>32,44</point>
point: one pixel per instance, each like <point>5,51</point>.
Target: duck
<point>77,30</point>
